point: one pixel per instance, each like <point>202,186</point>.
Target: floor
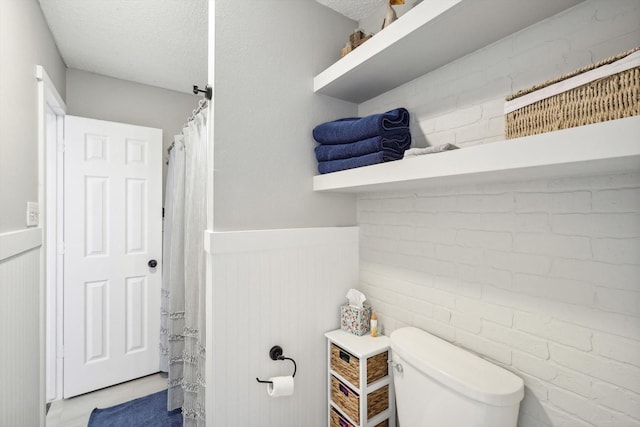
<point>75,412</point>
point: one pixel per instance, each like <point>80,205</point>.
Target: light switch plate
<point>33,214</point>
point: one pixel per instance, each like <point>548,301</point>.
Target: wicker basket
<point>338,420</point>
<point>377,367</point>
<point>348,365</point>
<point>377,401</point>
<point>346,399</point>
<point>604,98</point>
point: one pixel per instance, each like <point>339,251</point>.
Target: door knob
<point>152,263</point>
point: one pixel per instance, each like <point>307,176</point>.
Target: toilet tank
<point>439,384</point>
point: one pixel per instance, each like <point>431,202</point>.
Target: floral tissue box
<point>355,320</point>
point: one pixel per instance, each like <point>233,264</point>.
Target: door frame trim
<point>50,166</point>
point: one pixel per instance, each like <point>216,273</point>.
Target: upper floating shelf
<point>598,149</point>
<point>427,37</point>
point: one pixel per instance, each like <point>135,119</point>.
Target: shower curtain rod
<point>208,91</point>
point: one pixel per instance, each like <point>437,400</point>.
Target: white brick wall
<point>547,285</point>
<point>540,277</point>
<point>527,288</point>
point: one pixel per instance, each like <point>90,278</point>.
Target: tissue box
<point>355,320</point>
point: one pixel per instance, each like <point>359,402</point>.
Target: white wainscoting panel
<point>275,287</point>
<point>20,336</point>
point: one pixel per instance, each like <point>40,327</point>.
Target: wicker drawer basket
<point>349,401</point>
<point>586,96</point>
<point>348,365</point>
<point>377,367</point>
<point>377,401</point>
<point>346,399</point>
<point>338,420</point>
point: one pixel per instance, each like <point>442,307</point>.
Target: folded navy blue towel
<point>353,129</point>
<point>356,162</point>
<point>394,143</point>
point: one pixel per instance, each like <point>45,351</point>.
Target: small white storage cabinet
<point>360,389</point>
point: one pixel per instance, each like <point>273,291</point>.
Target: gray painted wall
<point>105,98</point>
<point>266,55</point>
<point>25,41</point>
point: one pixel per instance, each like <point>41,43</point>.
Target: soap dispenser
<point>374,325</point>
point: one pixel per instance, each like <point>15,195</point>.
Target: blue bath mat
<point>146,411</point>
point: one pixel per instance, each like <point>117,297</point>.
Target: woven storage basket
<point>377,401</point>
<point>607,98</point>
<point>377,367</point>
<point>338,420</point>
<point>347,399</point>
<point>346,364</point>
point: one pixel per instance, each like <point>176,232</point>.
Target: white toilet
<point>439,384</point>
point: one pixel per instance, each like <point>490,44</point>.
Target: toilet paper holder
<point>276,353</point>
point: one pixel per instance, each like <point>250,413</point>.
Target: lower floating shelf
<point>597,149</point>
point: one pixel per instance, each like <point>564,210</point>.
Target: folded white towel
<point>413,152</point>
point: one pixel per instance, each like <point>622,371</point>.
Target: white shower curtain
<point>183,316</point>
<point>175,180</point>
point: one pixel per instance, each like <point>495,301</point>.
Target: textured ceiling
<point>156,42</point>
<point>354,9</point>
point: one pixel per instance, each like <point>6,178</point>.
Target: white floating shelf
<point>427,37</point>
<point>597,149</point>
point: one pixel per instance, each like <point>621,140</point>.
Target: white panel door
<point>113,220</point>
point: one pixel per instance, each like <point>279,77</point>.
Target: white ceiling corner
<point>160,43</point>
<point>353,9</point>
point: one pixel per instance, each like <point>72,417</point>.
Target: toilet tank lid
<point>456,368</point>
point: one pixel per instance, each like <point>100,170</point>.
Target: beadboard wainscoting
<point>20,361</point>
<point>274,287</point>
<point>541,277</point>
